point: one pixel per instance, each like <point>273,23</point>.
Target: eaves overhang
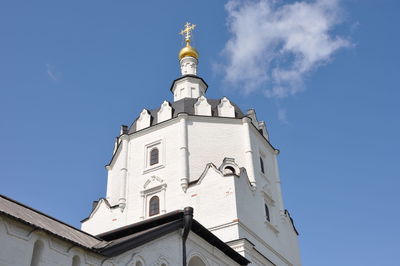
<point>188,76</point>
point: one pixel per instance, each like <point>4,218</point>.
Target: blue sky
<point>72,72</point>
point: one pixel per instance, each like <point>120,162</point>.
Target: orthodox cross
<point>186,32</point>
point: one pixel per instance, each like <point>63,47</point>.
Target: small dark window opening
<point>154,206</point>
<point>154,156</point>
<point>262,165</point>
<point>229,170</point>
<point>267,217</point>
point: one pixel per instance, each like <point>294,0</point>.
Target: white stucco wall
<point>17,241</point>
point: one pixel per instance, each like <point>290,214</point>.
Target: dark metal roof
<point>186,105</point>
<point>137,234</point>
<point>39,220</point>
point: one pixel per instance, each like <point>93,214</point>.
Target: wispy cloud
<point>52,73</point>
<point>273,46</point>
<point>282,116</point>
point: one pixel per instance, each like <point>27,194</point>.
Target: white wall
<point>17,241</point>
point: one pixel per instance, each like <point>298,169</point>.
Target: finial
<point>186,32</point>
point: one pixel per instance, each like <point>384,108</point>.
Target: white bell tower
<point>207,154</point>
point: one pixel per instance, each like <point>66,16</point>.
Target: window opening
<point>154,156</point>
<point>76,261</point>
<point>229,170</point>
<point>262,165</point>
<point>154,206</point>
<point>267,217</point>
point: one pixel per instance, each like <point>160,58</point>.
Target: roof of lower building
<point>39,220</point>
<point>186,105</point>
<point>117,241</point>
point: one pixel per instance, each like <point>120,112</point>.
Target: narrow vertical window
<point>76,261</point>
<point>154,156</point>
<point>262,165</point>
<point>154,206</point>
<point>267,217</point>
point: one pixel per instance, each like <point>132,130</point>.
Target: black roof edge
<point>292,222</point>
<point>269,143</point>
<point>141,239</point>
<point>204,233</point>
<point>140,226</point>
<point>191,76</point>
<point>166,223</point>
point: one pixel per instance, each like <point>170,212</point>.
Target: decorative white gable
<point>202,107</point>
<point>165,112</point>
<point>225,108</point>
<point>143,120</point>
<point>263,128</point>
<point>252,114</point>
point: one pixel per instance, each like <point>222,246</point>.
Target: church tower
<point>207,154</point>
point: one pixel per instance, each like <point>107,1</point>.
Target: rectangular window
<point>262,165</point>
<point>154,156</point>
<point>267,217</point>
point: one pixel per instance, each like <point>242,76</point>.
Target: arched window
<point>196,261</point>
<point>229,170</point>
<point>267,217</point>
<point>154,156</point>
<point>76,261</point>
<point>262,165</point>
<point>37,253</point>
<point>154,206</point>
<point>139,263</point>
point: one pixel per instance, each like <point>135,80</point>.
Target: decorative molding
<point>158,188</point>
<point>228,163</point>
<point>17,230</point>
<point>160,144</point>
<point>266,193</point>
<point>251,113</point>
<point>257,237</point>
<point>152,179</point>
<point>272,227</point>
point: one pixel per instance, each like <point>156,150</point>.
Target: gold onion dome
<point>188,51</point>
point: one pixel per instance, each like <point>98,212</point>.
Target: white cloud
<point>275,45</point>
<point>51,72</point>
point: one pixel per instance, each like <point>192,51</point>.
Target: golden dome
<point>188,51</point>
